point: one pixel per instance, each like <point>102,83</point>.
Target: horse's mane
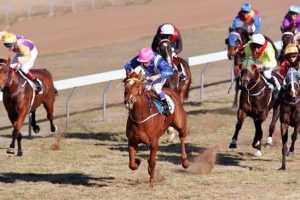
<point>273,45</point>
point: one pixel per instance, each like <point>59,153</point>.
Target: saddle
<point>159,104</point>
<point>31,83</point>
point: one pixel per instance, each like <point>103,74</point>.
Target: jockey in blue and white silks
<point>157,71</point>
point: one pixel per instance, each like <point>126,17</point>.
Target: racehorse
<point>289,113</point>
<point>256,100</point>
<point>235,49</point>
<point>181,87</point>
<point>20,99</point>
<point>287,38</point>
<point>145,124</point>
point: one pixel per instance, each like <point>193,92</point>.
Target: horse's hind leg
<point>272,126</point>
<point>34,126</point>
<point>182,130</point>
<point>49,109</point>
<point>152,161</point>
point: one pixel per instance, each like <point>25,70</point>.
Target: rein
<point>130,115</point>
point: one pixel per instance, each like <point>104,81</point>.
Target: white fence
<point>73,83</point>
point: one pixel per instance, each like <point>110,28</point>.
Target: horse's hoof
<point>291,153</point>
<point>151,183</point>
<point>232,146</point>
<point>185,163</point>
<point>20,153</point>
<point>10,151</point>
<point>136,165</point>
<point>257,153</point>
<point>282,168</point>
<point>53,128</point>
<point>36,128</point>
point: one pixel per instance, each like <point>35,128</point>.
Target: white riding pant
<point>268,73</point>
<point>29,64</point>
<point>156,86</point>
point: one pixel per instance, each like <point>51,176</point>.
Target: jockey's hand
<point>154,78</point>
<point>15,65</point>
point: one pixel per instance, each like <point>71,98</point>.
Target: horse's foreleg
<point>258,137</point>
<point>34,126</point>
<point>284,138</point>
<point>11,149</point>
<point>133,162</point>
<point>294,138</point>
<point>237,87</point>
<point>152,162</point>
<point>182,136</point>
<point>49,109</point>
<point>241,116</point>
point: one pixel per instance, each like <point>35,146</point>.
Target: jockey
<point>248,19</point>
<point>170,32</point>
<point>262,50</point>
<point>291,20</point>
<point>157,71</point>
<point>292,58</point>
<point>26,54</point>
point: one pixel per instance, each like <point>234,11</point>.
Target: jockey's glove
<point>15,65</point>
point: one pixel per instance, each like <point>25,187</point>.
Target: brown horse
<point>256,100</point>
<point>289,113</point>
<point>20,99</point>
<point>146,125</point>
<point>287,38</point>
<point>181,87</point>
<point>235,49</point>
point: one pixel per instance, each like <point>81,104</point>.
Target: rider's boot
<point>37,82</point>
<point>181,74</point>
<point>165,106</point>
<point>275,85</point>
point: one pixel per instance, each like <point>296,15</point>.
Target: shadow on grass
<point>102,136</point>
<point>221,111</point>
<point>68,178</point>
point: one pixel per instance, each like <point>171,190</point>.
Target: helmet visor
<point>8,45</point>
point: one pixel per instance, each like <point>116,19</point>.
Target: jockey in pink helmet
<point>157,71</point>
<point>26,54</point>
<point>170,32</point>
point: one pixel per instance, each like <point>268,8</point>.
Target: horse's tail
<point>273,45</point>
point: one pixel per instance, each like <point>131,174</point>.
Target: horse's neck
<point>141,108</point>
<point>257,85</point>
<point>15,82</point>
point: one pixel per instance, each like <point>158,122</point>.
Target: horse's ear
<point>128,72</point>
<point>226,41</point>
<point>140,75</point>
<point>230,29</point>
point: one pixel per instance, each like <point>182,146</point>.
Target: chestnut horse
<point>235,49</point>
<point>181,87</point>
<point>289,112</point>
<point>256,101</point>
<point>145,124</point>
<point>20,99</point>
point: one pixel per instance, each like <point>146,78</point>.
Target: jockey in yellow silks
<point>263,51</point>
<point>26,54</point>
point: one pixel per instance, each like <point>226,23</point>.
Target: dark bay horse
<point>19,100</point>
<point>256,100</point>
<point>181,87</point>
<point>287,38</point>
<point>235,50</point>
<point>145,124</point>
<point>290,112</point>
